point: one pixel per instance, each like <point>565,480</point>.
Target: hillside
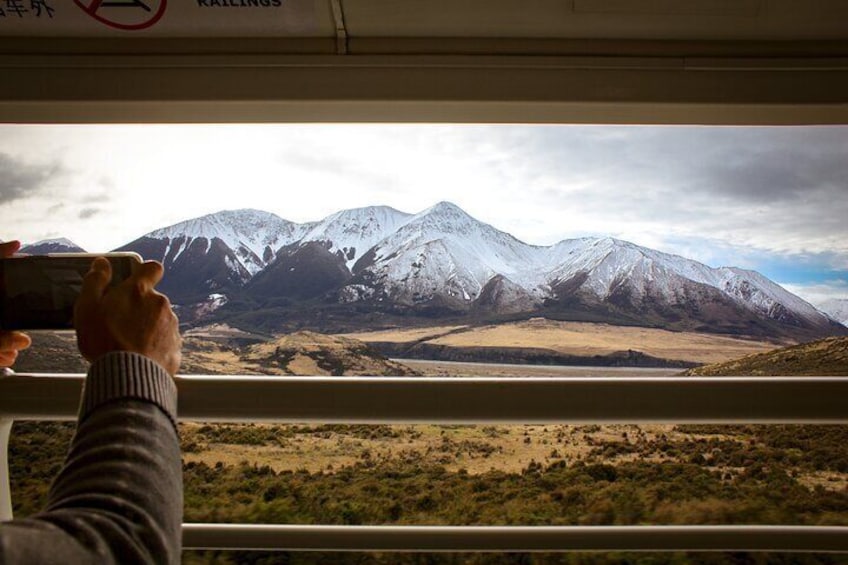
<point>825,357</point>
<point>300,353</point>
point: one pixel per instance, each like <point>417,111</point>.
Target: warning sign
<point>125,14</point>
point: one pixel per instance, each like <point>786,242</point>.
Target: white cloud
<point>818,293</point>
<point>708,193</point>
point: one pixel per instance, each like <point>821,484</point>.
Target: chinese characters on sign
<point>26,8</point>
<point>120,14</point>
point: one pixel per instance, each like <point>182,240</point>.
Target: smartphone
<point>38,292</point>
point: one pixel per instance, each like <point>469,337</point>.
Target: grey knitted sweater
<point>119,497</point>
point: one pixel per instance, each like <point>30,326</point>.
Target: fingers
<point>9,248</point>
<point>147,275</point>
<point>10,344</point>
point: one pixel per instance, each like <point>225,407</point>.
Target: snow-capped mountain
<point>56,245</point>
<point>836,308</point>
<point>613,270</point>
<point>443,261</point>
<point>351,233</point>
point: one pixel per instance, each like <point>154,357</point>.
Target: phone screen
<point>39,292</point>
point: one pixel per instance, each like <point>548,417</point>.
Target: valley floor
<point>579,339</point>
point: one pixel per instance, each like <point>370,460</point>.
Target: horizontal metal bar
<point>819,400</point>
<point>489,89</point>
<point>516,538</point>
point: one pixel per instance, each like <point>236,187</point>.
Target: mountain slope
<point>300,272</point>
<point>351,233</point>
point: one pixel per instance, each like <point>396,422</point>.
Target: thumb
<point>8,248</point>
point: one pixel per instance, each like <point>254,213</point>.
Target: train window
<point>466,250</point>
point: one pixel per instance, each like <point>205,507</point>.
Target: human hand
<point>11,342</point>
<point>131,316</point>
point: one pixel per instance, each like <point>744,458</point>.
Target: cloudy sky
<point>771,199</point>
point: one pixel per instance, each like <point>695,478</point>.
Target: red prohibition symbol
<point>113,12</point>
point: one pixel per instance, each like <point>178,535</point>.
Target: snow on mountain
<point>836,308</point>
<point>216,253</point>
<point>253,235</point>
<point>55,245</point>
<point>444,250</point>
<point>609,262</point>
<point>353,232</point>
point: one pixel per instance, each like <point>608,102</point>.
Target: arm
<point>118,498</point>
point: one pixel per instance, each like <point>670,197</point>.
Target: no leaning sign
<point>178,18</point>
<point>125,14</point>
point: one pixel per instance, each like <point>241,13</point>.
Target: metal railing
<point>725,400</point>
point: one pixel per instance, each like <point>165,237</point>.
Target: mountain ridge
<point>443,262</point>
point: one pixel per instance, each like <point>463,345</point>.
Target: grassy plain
<point>579,338</point>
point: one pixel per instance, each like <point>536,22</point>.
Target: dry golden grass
<point>475,449</point>
<point>202,357</point>
<point>582,338</point>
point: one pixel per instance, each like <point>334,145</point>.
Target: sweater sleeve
<point>118,497</point>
